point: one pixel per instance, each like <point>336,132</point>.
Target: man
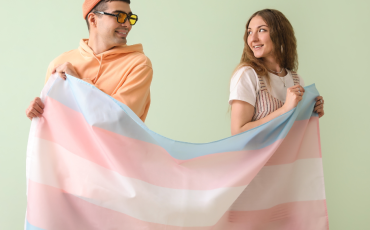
<point>104,60</point>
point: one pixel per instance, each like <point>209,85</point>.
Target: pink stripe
<point>105,148</point>
<point>228,169</point>
<point>51,208</point>
<point>300,143</point>
<point>303,215</point>
<point>318,135</point>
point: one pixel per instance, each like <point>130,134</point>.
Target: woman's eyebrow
<point>258,27</point>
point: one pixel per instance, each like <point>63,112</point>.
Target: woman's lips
<point>257,47</point>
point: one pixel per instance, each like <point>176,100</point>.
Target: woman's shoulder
<point>244,76</point>
<point>244,85</point>
<point>295,74</point>
<point>247,68</point>
<point>245,72</point>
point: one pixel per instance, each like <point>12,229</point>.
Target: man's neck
<point>98,46</point>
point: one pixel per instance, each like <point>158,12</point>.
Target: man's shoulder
<point>64,57</point>
<point>138,58</point>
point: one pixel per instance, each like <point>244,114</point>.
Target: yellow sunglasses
<point>122,17</point>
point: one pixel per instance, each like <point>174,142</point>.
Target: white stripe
<point>302,180</point>
<point>55,166</point>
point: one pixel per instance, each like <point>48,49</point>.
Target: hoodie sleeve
<point>48,71</point>
<point>135,91</point>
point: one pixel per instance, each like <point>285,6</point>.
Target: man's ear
<point>91,18</point>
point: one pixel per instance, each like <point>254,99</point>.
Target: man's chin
<point>121,41</point>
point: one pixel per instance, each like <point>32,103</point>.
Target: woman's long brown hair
<point>283,38</point>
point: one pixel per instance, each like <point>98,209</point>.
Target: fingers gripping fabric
<point>93,164</point>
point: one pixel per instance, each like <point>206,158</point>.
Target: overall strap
<point>295,78</point>
<point>262,84</point>
<point>265,102</point>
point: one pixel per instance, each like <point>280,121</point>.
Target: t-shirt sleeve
<point>244,86</point>
<point>301,81</point>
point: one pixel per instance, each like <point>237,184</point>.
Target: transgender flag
<point>92,164</point>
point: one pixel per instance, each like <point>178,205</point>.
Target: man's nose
<point>126,24</point>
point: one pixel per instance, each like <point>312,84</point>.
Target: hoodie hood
<point>107,56</point>
<point>86,51</point>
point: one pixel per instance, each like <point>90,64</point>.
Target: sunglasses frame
<point>116,15</point>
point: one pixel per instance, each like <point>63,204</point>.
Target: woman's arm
<point>242,112</point>
<point>241,117</point>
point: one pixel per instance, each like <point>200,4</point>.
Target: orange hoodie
<point>123,72</point>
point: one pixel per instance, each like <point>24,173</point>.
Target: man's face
<point>108,29</point>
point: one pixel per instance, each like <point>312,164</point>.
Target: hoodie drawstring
<point>95,79</point>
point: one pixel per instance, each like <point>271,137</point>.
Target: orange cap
<point>88,5</point>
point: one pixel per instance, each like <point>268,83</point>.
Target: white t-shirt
<point>244,85</point>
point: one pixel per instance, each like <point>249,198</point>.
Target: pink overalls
<point>266,103</point>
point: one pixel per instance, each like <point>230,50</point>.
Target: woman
<point>264,85</point>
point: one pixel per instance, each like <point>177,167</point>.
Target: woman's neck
<point>273,67</point>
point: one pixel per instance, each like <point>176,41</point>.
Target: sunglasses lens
<point>133,19</point>
<point>122,17</point>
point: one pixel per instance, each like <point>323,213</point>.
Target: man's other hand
<point>66,68</point>
<point>35,109</point>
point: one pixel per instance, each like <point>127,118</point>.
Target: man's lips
<point>122,33</point>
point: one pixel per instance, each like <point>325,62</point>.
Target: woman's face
<point>259,38</point>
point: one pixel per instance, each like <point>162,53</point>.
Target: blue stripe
<point>103,111</point>
<point>31,227</point>
<point>63,93</point>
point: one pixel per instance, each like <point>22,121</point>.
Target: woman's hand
<point>293,97</point>
<point>319,106</point>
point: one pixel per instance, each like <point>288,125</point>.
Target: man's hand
<point>35,109</point>
<point>66,68</point>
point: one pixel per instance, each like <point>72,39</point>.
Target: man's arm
<point>135,91</point>
<point>49,71</point>
<point>36,107</point>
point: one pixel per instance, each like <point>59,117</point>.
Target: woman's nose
<point>254,36</point>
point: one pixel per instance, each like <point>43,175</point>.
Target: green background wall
<point>194,46</point>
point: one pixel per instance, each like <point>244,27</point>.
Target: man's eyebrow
<point>120,11</point>
<point>258,27</point>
